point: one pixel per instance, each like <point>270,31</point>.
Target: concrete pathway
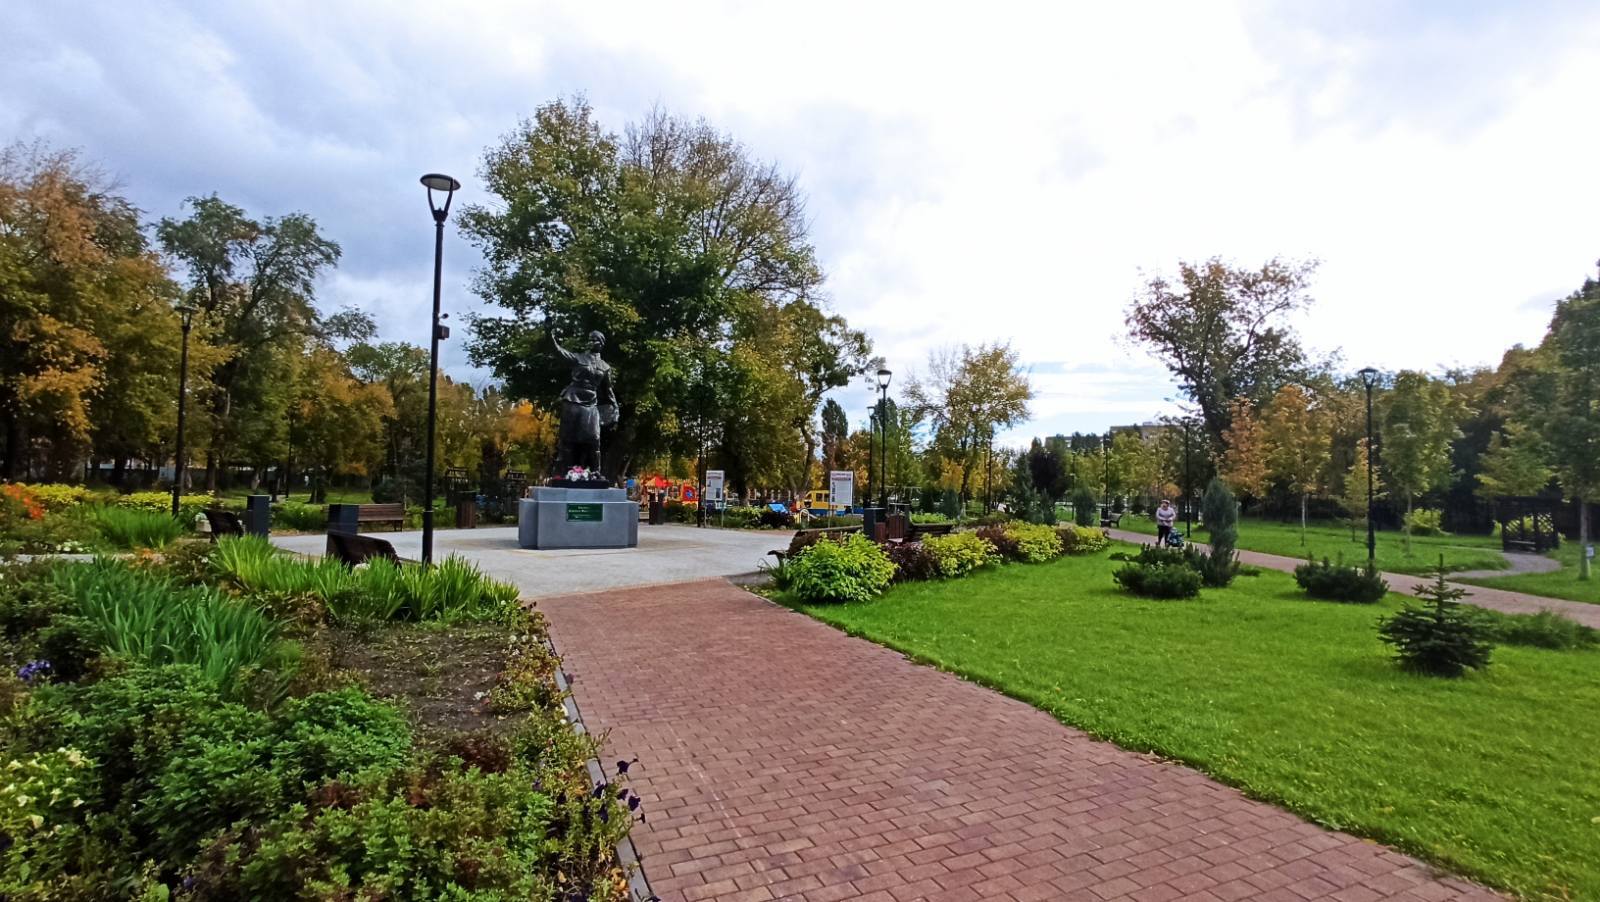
<point>781,759</point>
<point>1406,584</point>
<point>666,554</point>
<point>1520,562</point>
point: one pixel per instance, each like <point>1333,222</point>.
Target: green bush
<point>1082,539</point>
<point>930,519</point>
<point>1035,543</point>
<point>960,553</point>
<point>292,515</point>
<point>1425,522</point>
<point>1441,637</point>
<point>1340,582</point>
<point>850,569</point>
<point>131,527</point>
<point>1220,512</point>
<point>1164,581</point>
<point>189,506</point>
<point>339,734</point>
<point>1545,629</point>
<point>950,505</point>
<point>57,497</point>
<point>1084,510</point>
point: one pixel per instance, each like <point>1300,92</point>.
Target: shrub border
<point>627,854</point>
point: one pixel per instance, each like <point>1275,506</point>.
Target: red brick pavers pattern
<point>1482,596</point>
<point>782,759</point>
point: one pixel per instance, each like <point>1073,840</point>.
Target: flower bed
<point>267,751</point>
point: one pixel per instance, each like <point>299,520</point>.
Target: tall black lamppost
<point>883,428</point>
<point>433,181</point>
<point>1188,487</point>
<point>1369,378</point>
<point>872,455</point>
<point>186,312</point>
<point>1105,457</point>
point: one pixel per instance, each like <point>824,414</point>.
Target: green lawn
<point>1563,583</point>
<point>1494,776</point>
<point>1332,540</point>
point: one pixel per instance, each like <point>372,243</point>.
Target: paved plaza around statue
<point>666,554</point>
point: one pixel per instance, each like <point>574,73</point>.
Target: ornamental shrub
<point>960,553</point>
<point>1164,581</point>
<point>1084,510</point>
<point>1082,539</point>
<point>1340,582</point>
<point>56,497</point>
<point>1220,512</point>
<point>292,515</point>
<point>1425,522</point>
<point>950,504</point>
<point>912,561</point>
<point>851,569</point>
<point>189,506</point>
<point>1441,638</point>
<point>128,528</point>
<point>1034,543</point>
<point>999,536</point>
<point>1545,629</point>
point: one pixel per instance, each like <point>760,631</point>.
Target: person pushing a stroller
<point>1166,516</point>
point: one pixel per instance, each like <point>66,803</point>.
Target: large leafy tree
<point>1572,424</point>
<point>1418,424</point>
<point>667,238</point>
<point>1222,331</point>
<point>89,334</point>
<point>967,396</point>
<point>1243,466</point>
<point>253,281</point>
<point>1297,442</point>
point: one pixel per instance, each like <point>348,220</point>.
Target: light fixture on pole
<point>1369,378</point>
<point>186,312</point>
<point>884,376</point>
<point>448,186</point>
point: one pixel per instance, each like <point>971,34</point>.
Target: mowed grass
<point>1563,583</point>
<point>1331,541</point>
<point>1495,776</point>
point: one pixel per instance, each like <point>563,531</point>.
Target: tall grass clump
<point>148,620</point>
<point>127,527</point>
<point>453,589</point>
<point>300,517</point>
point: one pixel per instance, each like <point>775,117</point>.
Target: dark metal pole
<point>1188,488</point>
<point>433,392</point>
<point>883,465</point>
<point>1372,536</point>
<point>872,454</point>
<point>183,391</point>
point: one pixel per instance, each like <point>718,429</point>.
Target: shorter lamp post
<point>186,312</point>
<point>883,429</point>
<point>1369,378</point>
<point>448,186</point>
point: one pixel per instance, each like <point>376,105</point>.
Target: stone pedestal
<point>577,518</point>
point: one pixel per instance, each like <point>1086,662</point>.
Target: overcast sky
<point>976,172</point>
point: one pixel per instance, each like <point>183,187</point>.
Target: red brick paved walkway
<point>781,759</point>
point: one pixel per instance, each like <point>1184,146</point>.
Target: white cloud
<point>993,172</point>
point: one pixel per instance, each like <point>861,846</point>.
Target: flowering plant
<point>22,502</point>
<point>582,474</point>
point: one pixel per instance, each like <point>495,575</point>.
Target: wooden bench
<point>382,513</point>
<point>352,549</point>
<point>919,530</point>
<point>223,523</point>
<point>784,555</point>
<point>1108,520</point>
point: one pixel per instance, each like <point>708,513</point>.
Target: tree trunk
<point>1303,497</point>
<point>211,472</point>
<point>1583,538</point>
<point>119,470</point>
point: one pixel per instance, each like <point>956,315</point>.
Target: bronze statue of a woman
<point>587,403</point>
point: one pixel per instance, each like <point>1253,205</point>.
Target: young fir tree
<point>1441,637</point>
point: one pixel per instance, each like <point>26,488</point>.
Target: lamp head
<point>186,310</point>
<point>434,181</point>
<point>1369,376</point>
<point>883,378</point>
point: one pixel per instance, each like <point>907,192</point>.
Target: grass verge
<point>1296,702</point>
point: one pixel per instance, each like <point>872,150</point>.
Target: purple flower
<point>33,670</point>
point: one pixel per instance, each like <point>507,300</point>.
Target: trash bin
<point>258,515</point>
<point>658,510</point>
<point>466,514</point>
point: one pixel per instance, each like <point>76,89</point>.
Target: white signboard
<point>842,487</point>
<point>714,480</point>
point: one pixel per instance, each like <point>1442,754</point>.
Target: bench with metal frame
<point>353,549</point>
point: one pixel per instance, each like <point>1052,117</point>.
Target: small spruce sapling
<point>1440,637</point>
<point>1220,513</point>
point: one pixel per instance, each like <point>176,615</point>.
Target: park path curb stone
<point>1407,584</point>
<point>783,759</point>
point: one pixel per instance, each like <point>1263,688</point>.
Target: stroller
<point>1174,539</point>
